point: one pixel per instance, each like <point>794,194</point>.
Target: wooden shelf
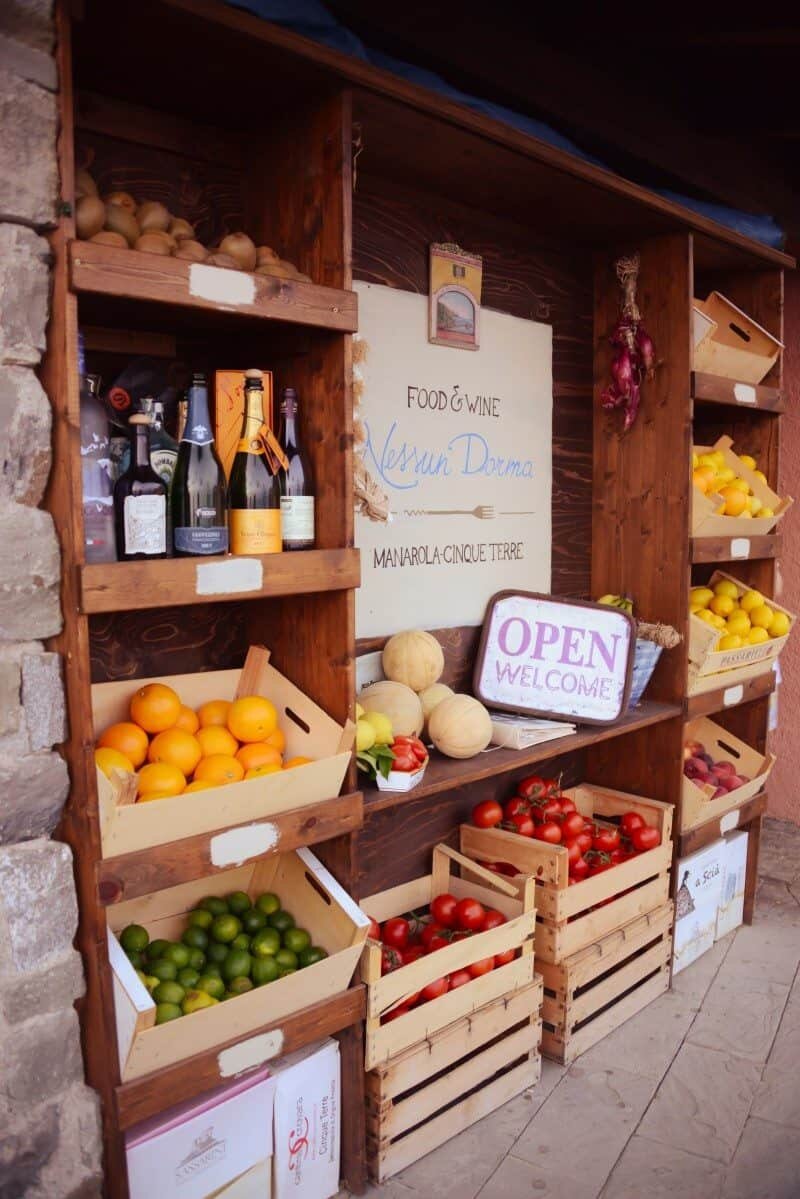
<point>712,389</point>
<point>162,866</point>
<point>731,695</point>
<point>167,582</point>
<point>155,1093</point>
<point>152,278</point>
<point>445,773</point>
<point>736,549</point>
<point>704,834</point>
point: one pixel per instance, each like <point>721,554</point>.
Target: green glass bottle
<point>199,495</point>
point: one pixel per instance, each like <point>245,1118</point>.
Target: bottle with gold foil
<point>254,494</point>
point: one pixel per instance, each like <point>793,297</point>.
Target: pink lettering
<point>571,646</point>
<point>524,637</point>
<point>546,634</point>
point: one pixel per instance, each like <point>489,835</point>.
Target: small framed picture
<point>455,297</point>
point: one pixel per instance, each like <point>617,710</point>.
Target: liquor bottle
<point>254,497</point>
<point>296,480</point>
<point>97,484</point>
<point>198,485</point>
<point>163,448</point>
<point>140,501</point>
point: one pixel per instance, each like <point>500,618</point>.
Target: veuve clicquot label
<point>255,530</point>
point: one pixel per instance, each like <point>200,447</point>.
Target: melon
<point>414,658</point>
<point>432,696</point>
<point>460,727</point>
<point>396,701</point>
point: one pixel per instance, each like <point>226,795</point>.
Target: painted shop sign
<point>554,657</point>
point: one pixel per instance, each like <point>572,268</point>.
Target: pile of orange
<point>176,750</point>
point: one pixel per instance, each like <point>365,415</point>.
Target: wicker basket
<point>644,663</point>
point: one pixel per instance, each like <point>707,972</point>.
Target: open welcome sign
<point>555,657</point>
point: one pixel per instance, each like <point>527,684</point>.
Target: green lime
<point>165,971</point>
<point>195,938</point>
<point>134,937</point>
<point>200,918</point>
<point>212,986</point>
<point>195,1000</point>
<point>238,986</point>
<point>137,958</point>
<point>214,905</point>
<point>166,1012</point>
<point>281,920</point>
<point>253,921</point>
<point>315,953</point>
<point>188,978</point>
<point>225,929</point>
<point>238,903</point>
<point>265,970</point>
<point>286,970</point>
<point>197,959</point>
<point>156,948</point>
<point>169,992</point>
<point>286,960</point>
<point>265,943</point>
<point>216,953</point>
<point>212,970</point>
<point>296,939</point>
<point>177,953</point>
<point>142,977</point>
<point>237,964</point>
<point>268,903</point>
<point>151,982</point>
<point>241,942</point>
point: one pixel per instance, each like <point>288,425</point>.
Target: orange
<point>199,785</point>
<point>298,761</point>
<point>258,753</point>
<point>215,712</point>
<point>276,740</point>
<point>703,477</point>
<point>146,798</point>
<point>252,718</point>
<point>219,768</point>
<point>162,777</point>
<point>155,707</point>
<point>188,720</point>
<point>176,747</point>
<point>258,771</point>
<point>128,738</point>
<point>735,500</point>
<point>214,740</point>
<point>111,759</point>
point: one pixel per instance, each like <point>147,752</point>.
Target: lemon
<point>726,475</point>
<point>359,711</point>
<point>382,726</point>
<point>365,735</point>
<point>754,503</point>
<point>779,625</point>
<point>695,461</point>
<point>722,605</point>
<point>738,622</point>
<point>762,617</point>
<point>724,587</point>
<point>759,474</point>
<point>751,600</point>
<point>740,485</point>
<point>706,460</point>
<point>762,512</point>
<point>745,514</point>
<point>701,596</point>
<point>705,615</point>
<point>694,609</point>
<point>717,457</point>
<point>747,461</point>
<point>730,641</point>
<point>757,636</point>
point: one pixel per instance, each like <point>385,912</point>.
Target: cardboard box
<point>704,659</point>
<point>697,806</point>
<point>730,911</point>
<point>229,412</point>
<point>201,1147</point>
<point>307,1128</point>
<point>699,888</point>
<point>737,347</point>
<point>706,521</point>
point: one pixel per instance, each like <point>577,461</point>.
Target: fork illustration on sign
<point>482,512</point>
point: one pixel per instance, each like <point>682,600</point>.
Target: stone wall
<point>49,1121</point>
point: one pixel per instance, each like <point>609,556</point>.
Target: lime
<point>281,920</point>
<point>212,970</point>
<point>177,953</point>
<point>197,959</point>
<point>212,986</point>
<point>286,960</point>
<point>238,903</point>
<point>195,938</point>
<point>134,938</point>
<point>166,1012</point>
<point>268,903</point>
<point>225,928</point>
<point>200,918</point>
<point>188,978</point>
<point>315,953</point>
<point>156,948</point>
<point>237,964</point>
<point>284,970</point>
<point>169,992</point>
<point>136,958</point>
<point>296,939</point>
<point>265,970</point>
<point>142,977</point>
<point>216,953</point>
<point>265,943</point>
<point>164,971</point>
<point>214,905</point>
<point>238,986</point>
<point>195,1000</point>
<point>241,942</point>
<point>253,921</point>
<point>151,982</point>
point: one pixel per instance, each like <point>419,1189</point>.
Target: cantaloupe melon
<point>460,727</point>
<point>396,701</point>
<point>413,657</point>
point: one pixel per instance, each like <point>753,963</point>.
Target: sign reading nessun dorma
<point>554,657</point>
<point>462,446</point>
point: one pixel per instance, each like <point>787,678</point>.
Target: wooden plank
<point>726,549</point>
<point>696,838</point>
<point>712,389</point>
<point>129,274</point>
<point>730,694</point>
<point>353,1112</point>
<point>565,1051</point>
<point>580,968</point>
<point>583,1006</point>
<point>135,586</point>
<point>558,941</point>
<point>162,866</point>
<point>161,1090</point>
<point>751,870</point>
<point>150,127</point>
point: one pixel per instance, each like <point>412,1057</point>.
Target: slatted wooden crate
<point>595,990</point>
<point>442,1084</point>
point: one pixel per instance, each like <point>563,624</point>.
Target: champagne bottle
<point>296,480</point>
<point>140,501</point>
<point>98,486</point>
<point>198,485</point>
<point>254,498</point>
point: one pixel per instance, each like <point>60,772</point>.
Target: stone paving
<point>697,1097</point>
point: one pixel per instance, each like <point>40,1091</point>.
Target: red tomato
<point>487,814</point>
<point>391,959</point>
<point>606,839</point>
<point>618,855</point>
<point>463,934</point>
<point>417,922</point>
<point>534,786</point>
<point>459,978</point>
<point>598,861</point>
<point>550,809</point>
<point>412,954</point>
<point>549,831</point>
<point>572,825</point>
<point>567,805</point>
<point>578,870</point>
<point>374,929</point>
<point>629,822</point>
<point>443,910</point>
<point>521,824</point>
<point>584,839</point>
<point>645,838</point>
<point>573,852</point>
<point>492,919</point>
<point>476,969</point>
<point>502,959</point>
<point>433,990</point>
<point>405,760</point>
<point>395,1013</point>
<point>435,937</point>
<point>470,914</point>
<point>515,807</point>
<point>396,932</point>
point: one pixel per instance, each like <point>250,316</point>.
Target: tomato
<point>549,831</point>
<point>412,743</point>
<point>463,934</point>
<point>492,919</point>
<point>521,824</point>
<point>476,969</point>
<point>515,807</point>
<point>417,923</point>
<point>470,914</point>
<point>534,787</point>
<point>598,861</point>
<point>487,814</point>
<point>572,825</point>
<point>606,839</point>
<point>434,937</point>
<point>630,821</point>
<point>618,855</point>
<point>405,760</point>
<point>374,929</point>
<point>443,910</point>
<point>645,838</point>
<point>459,978</point>
<point>433,990</point>
<point>567,805</point>
<point>502,959</point>
<point>391,959</point>
<point>578,870</point>
<point>412,954</point>
<point>396,932</point>
<point>573,852</point>
<point>394,1013</point>
<point>584,839</point>
<point>550,809</point>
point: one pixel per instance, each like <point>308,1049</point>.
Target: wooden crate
<point>593,991</point>
<point>445,1082</point>
<point>737,347</point>
<point>705,508</point>
<point>387,992</point>
<point>705,660</point>
<point>697,807</point>
<point>568,918</point>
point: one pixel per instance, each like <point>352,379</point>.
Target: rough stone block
<point>74,1171</point>
<point>28,127</point>
<point>43,700</point>
<point>41,1058</point>
<point>34,790</point>
<point>10,707</point>
<point>29,570</point>
<point>37,901</point>
<point>45,992</point>
<point>26,1144</point>
<point>36,66</point>
<point>24,287</point>
<point>28,21</point>
<point>25,421</point>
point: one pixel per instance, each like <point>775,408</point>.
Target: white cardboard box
<point>699,890</point>
<point>730,912</point>
<point>307,1125</point>
<point>218,1145</point>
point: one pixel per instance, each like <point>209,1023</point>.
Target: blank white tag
<point>369,670</point>
<point>229,577</point>
<point>740,547</point>
<point>744,393</point>
<point>221,285</point>
<point>732,695</point>
<point>729,821</point>
<point>250,1053</point>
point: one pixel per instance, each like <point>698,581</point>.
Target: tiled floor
<point>697,1097</point>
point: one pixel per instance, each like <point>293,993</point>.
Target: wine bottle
<point>254,497</point>
<point>98,486</point>
<point>296,480</point>
<point>198,485</point>
<point>140,501</point>
<point>163,448</point>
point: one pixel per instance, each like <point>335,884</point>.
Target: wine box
<point>699,880</point>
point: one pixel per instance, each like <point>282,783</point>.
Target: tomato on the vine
<point>439,987</point>
<point>476,969</point>
<point>374,930</point>
<point>606,839</point>
<point>584,839</point>
<point>435,936</point>
<point>567,805</point>
<point>412,954</point>
<point>572,825</point>
<point>443,910</point>
<point>396,932</point>
<point>515,807</point>
<point>645,838</point>
<point>391,959</point>
<point>549,831</point>
<point>579,870</point>
<point>549,810</point>
<point>417,923</point>
<point>459,978</point>
<point>492,919</point>
<point>629,822</point>
<point>487,814</point>
<point>573,852</point>
<point>470,914</point>
<point>521,824</point>
<point>598,861</point>
<point>535,786</point>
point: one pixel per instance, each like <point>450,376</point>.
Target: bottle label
<point>198,434</point>
<point>297,519</point>
<point>145,519</point>
<point>163,463</point>
<point>249,445</point>
<point>255,530</point>
<point>211,540</point>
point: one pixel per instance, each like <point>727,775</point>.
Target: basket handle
<point>488,876</point>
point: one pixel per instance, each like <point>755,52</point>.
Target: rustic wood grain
<point>718,549</point>
<point>712,389</point>
<point>162,641</point>
<point>712,702</point>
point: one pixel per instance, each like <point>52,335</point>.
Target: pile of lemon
<point>720,482</point>
<point>742,618</point>
<point>174,750</point>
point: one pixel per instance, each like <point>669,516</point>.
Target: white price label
<point>744,393</point>
<point>729,821</point>
<point>221,285</point>
<point>733,695</point>
<point>740,547</point>
<point>250,1053</point>
<point>237,845</point>
<point>229,576</point>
